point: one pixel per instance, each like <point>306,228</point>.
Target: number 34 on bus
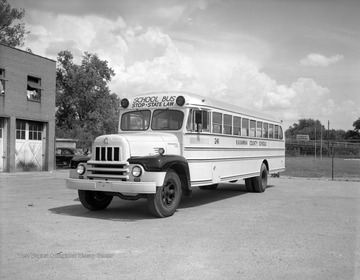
<point>171,142</point>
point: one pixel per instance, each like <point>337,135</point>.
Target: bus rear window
<point>135,121</point>
<point>167,120</point>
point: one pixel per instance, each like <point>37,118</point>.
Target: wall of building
<point>15,105</point>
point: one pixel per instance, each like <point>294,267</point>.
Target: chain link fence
<point>322,148</point>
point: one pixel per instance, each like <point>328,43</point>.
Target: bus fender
<point>161,163</point>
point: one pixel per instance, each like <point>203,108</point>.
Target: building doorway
<point>29,146</point>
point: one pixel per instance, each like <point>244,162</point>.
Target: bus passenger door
<point>201,121</point>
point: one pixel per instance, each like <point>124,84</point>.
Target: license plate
<point>103,185</point>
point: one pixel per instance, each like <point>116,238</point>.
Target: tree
<point>11,34</point>
<point>356,124</point>
<point>85,107</point>
<point>306,126</point>
<point>355,133</point>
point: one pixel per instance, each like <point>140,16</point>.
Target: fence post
<point>332,161</point>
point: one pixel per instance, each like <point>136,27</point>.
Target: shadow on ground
<point>123,210</point>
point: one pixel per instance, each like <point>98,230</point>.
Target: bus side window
<point>206,119</point>
<point>276,132</point>
<point>252,128</point>
<point>281,136</point>
<point>217,122</point>
<point>265,130</point>
<point>259,129</point>
<point>227,124</point>
<point>245,127</point>
<point>190,123</point>
<point>271,131</point>
<point>237,126</point>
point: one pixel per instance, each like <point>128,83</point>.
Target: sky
<point>293,59</point>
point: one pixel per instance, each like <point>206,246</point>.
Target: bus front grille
<point>118,171</point>
<point>107,154</point>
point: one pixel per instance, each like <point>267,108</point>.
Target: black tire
<point>209,187</point>
<point>167,198</point>
<point>260,183</point>
<point>94,200</point>
<point>249,185</point>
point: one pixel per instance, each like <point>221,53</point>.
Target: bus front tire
<point>94,200</point>
<point>167,198</point>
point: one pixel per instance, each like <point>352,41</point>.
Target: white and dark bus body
<point>170,142</point>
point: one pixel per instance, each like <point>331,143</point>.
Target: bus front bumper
<point>112,186</point>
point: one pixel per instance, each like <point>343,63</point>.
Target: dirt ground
<point>297,229</point>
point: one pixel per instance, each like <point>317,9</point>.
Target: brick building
<point>27,111</point>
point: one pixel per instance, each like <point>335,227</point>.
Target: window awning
<point>34,85</point>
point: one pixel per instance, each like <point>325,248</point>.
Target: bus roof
<point>162,99</point>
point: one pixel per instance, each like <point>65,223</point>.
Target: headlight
<point>80,169</point>
<point>136,171</point>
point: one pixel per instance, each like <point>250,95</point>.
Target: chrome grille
<point>107,165</point>
<point>108,170</point>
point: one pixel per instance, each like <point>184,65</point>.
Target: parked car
<point>65,155</point>
<point>83,157</point>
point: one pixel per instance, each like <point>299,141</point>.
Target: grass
<point>309,167</point>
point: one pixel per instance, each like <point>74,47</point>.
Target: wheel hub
<point>168,194</point>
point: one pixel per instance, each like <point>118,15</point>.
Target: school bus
<point>171,142</point>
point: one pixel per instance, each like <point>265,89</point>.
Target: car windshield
<point>135,120</point>
<point>166,119</point>
<point>78,152</point>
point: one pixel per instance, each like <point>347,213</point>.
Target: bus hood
<point>144,144</point>
<point>138,144</point>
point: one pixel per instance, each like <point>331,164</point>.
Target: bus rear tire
<point>249,185</point>
<point>167,198</point>
<point>94,200</point>
<point>260,182</point>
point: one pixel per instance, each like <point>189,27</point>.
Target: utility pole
<point>328,137</point>
<point>321,141</point>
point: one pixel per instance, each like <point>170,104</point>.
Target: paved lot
<point>297,229</point>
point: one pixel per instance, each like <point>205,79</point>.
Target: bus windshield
<point>166,119</point>
<point>135,120</point>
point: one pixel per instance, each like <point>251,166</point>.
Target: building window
<point>35,131</point>
<point>20,129</point>
<point>1,127</point>
<point>2,81</point>
<point>34,89</point>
